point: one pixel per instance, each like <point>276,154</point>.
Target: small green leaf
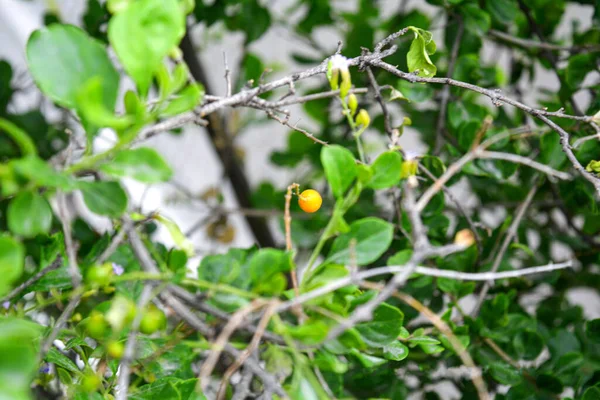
<point>395,351</point>
<point>143,34</point>
<point>422,340</point>
<point>181,241</point>
<point>62,58</point>
<point>104,198</point>
<point>373,237</point>
<point>592,393</point>
<point>39,172</point>
<point>578,68</point>
<point>417,92</point>
<point>268,262</point>
<point>386,170</point>
<point>418,56</point>
<point>384,328</point>
<point>476,20</point>
<point>186,100</point>
<point>310,332</point>
<point>528,344</point>
<point>12,255</point>
<point>504,11</point>
<point>19,340</point>
<point>340,168</point>
<point>56,357</point>
<point>19,136</point>
<point>142,164</point>
<point>92,108</point>
<point>367,360</point>
<point>505,374</point>
<point>592,330</point>
<point>29,214</point>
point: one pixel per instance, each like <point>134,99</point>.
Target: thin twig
<point>498,99</point>
<point>512,231</point>
<point>262,326</point>
<point>236,319</point>
<point>536,44</point>
<point>57,263</point>
<point>459,349</point>
<point>192,319</point>
<point>398,269</point>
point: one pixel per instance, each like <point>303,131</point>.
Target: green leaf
<point>592,330</point>
<point>505,374</point>
<point>552,153</point>
<point>326,361</point>
<point>222,268</point>
<point>19,341</point>
<point>266,265</point>
<point>367,360</point>
<point>549,383</point>
<point>340,168</point>
<point>29,215</point>
<point>477,21</point>
<point>62,58</point>
<point>423,340</point>
<point>186,100</point>
<point>39,172</point>
<point>395,351</point>
<point>167,388</point>
<point>528,344</point>
<point>592,393</point>
<point>373,236</point>
<point>93,110</point>
<point>142,164</point>
<point>503,11</point>
<point>311,332</point>
<point>19,136</point>
<point>400,258</point>
<point>578,68</point>
<point>56,357</point>
<point>417,92</point>
<point>386,170</point>
<point>421,48</point>
<point>181,241</point>
<point>143,34</point>
<point>12,256</point>
<point>104,198</point>
<point>384,328</point>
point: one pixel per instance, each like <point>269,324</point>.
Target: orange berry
<point>310,201</point>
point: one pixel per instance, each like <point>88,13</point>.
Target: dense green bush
<point>396,286</point>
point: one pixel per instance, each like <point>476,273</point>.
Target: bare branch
<point>536,44</point>
<point>262,326</point>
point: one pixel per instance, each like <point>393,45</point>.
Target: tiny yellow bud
<point>363,118</point>
<point>352,103</point>
<point>346,84</point>
<point>333,80</point>
<point>408,169</point>
<point>464,237</point>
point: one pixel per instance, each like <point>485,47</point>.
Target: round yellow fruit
<point>310,201</point>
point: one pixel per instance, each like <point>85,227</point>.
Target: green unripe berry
<point>100,275</point>
<point>115,349</point>
<point>96,325</point>
<point>90,383</point>
<point>152,320</point>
